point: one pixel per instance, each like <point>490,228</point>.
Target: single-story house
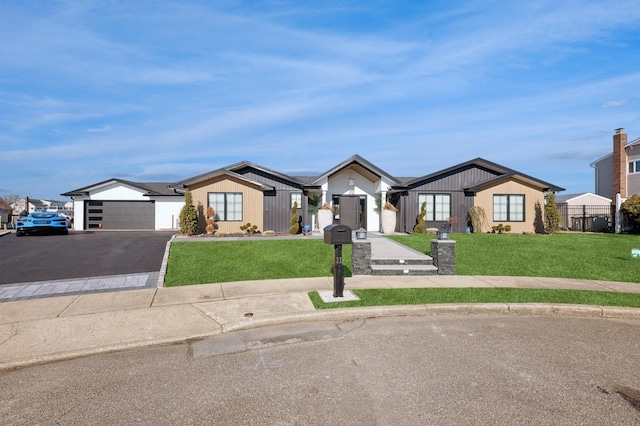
<point>245,192</point>
<point>121,204</point>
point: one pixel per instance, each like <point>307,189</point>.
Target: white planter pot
<point>388,219</point>
<point>325,218</point>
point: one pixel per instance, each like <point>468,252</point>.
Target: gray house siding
<point>277,203</point>
<point>604,177</point>
<point>452,183</point>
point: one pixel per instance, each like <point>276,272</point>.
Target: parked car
<point>42,222</point>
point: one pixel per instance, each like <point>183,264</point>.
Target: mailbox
<point>337,234</point>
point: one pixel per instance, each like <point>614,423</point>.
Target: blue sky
<point>164,90</point>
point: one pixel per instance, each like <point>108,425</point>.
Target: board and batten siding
<point>533,220</point>
<point>277,203</point>
<point>451,184</point>
<point>252,202</point>
<point>168,212</point>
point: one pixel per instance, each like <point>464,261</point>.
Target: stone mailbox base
<point>361,258</point>
<point>443,253</point>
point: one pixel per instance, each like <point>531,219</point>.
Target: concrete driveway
<point>80,254</point>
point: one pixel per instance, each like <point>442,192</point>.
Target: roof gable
<point>184,184</point>
<point>501,173</point>
<point>148,188</point>
<point>362,166</point>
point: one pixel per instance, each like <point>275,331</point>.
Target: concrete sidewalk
<point>55,328</point>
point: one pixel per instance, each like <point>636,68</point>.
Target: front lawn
<point>564,255</point>
<point>604,257</point>
<point>425,296</point>
<point>202,262</point>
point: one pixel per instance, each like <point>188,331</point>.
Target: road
<point>446,370</point>
<point>80,254</point>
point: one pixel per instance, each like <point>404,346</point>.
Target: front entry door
<point>352,211</point>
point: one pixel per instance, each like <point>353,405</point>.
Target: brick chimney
<point>619,164</point>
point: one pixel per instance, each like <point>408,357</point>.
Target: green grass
<point>226,261</point>
<point>563,255</point>
<point>420,296</point>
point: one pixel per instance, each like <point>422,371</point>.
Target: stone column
<point>361,258</point>
<point>443,253</point>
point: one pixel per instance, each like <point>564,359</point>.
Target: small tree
<point>188,216</point>
<point>552,216</point>
<point>631,210</point>
<point>314,206</point>
<point>295,225</point>
<point>420,224</point>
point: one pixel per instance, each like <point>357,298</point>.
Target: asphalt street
<point>80,254</point>
<point>444,370</point>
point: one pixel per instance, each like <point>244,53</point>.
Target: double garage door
<point>120,214</point>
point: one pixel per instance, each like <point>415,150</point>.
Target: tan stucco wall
<point>484,199</point>
<point>252,201</point>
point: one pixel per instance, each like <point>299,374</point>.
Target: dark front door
<point>352,208</point>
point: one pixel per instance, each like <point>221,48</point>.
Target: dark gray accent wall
<point>277,203</point>
<point>452,183</point>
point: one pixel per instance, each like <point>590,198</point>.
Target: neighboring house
<point>121,204</point>
<point>617,175</point>
<point>585,212</point>
<point>245,192</point>
<point>4,216</point>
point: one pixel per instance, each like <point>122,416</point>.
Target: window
<point>296,197</point>
<point>508,208</point>
<point>438,206</point>
<point>226,205</point>
<point>634,166</point>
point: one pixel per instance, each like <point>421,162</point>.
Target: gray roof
<point>150,188</point>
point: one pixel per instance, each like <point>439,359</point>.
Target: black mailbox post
<point>337,235</point>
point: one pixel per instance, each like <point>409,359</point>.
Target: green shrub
<point>552,216</point>
<point>419,228</point>
<point>295,225</point>
<point>251,229</point>
<point>631,210</point>
<point>188,216</point>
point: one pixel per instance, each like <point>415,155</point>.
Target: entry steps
<point>391,258</point>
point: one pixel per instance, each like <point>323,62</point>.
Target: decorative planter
<point>325,218</point>
<point>388,219</point>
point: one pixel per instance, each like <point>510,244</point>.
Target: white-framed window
<point>634,166</point>
<point>508,208</point>
<point>296,197</point>
<point>226,205</point>
<point>438,206</point>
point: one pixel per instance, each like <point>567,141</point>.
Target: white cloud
<point>614,104</point>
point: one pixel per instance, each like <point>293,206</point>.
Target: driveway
<point>80,254</point>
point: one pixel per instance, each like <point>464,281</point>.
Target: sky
<point>165,90</point>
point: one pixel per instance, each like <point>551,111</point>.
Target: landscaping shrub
<point>552,218</point>
<point>419,228</point>
<point>295,219</point>
<point>631,210</point>
<point>188,216</point>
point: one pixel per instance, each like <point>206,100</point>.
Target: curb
<point>165,261</point>
<point>348,314</point>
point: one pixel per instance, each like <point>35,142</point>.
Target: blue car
<point>42,222</point>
